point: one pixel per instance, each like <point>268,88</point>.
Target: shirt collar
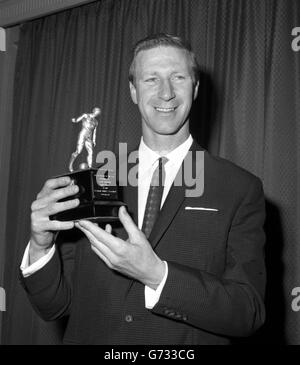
<point>146,154</point>
<point>180,152</point>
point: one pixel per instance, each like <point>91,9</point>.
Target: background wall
<point>7,68</point>
<point>13,12</point>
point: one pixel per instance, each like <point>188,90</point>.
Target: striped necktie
<point>154,196</point>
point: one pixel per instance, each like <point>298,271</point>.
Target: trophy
<point>98,191</point>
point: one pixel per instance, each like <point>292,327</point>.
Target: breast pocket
<point>196,238</point>
<point>203,225</point>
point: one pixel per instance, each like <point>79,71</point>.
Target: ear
<point>196,90</point>
<point>133,92</point>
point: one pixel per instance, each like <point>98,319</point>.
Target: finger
<point>54,196</point>
<point>99,233</point>
<point>43,215</point>
<point>57,225</point>
<point>52,184</point>
<point>108,228</point>
<point>102,257</point>
<point>105,250</point>
<point>129,225</point>
<point>58,207</point>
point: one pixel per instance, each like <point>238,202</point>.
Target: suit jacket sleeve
<point>231,304</point>
<point>50,288</point>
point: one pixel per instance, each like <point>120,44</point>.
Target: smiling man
<point>163,84</point>
<point>180,270</point>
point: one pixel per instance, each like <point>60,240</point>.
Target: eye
<point>178,77</point>
<point>151,80</point>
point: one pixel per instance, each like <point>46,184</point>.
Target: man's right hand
<point>45,205</point>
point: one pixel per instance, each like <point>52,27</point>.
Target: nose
<point>166,90</point>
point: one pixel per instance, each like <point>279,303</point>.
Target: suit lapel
<point>129,191</point>
<point>174,200</point>
<point>172,203</point>
<point>131,198</point>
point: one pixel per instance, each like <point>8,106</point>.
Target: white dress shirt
<point>148,161</point>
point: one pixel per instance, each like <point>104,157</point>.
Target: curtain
<point>246,111</point>
<point>7,67</point>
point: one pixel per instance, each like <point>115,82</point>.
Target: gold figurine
<point>86,137</point>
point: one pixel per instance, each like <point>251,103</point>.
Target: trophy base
<point>98,203</point>
<point>96,211</point>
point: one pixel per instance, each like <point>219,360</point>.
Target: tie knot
<point>158,176</point>
<point>161,164</point>
<point>163,160</point>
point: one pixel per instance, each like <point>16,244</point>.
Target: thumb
<point>129,225</point>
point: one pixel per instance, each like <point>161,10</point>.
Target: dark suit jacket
<point>215,286</point>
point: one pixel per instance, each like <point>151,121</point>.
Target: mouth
<point>165,110</point>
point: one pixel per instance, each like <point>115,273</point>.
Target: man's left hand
<point>134,258</point>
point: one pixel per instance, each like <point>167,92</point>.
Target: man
<point>197,276</point>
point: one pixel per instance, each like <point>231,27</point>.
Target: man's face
<point>163,90</point>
